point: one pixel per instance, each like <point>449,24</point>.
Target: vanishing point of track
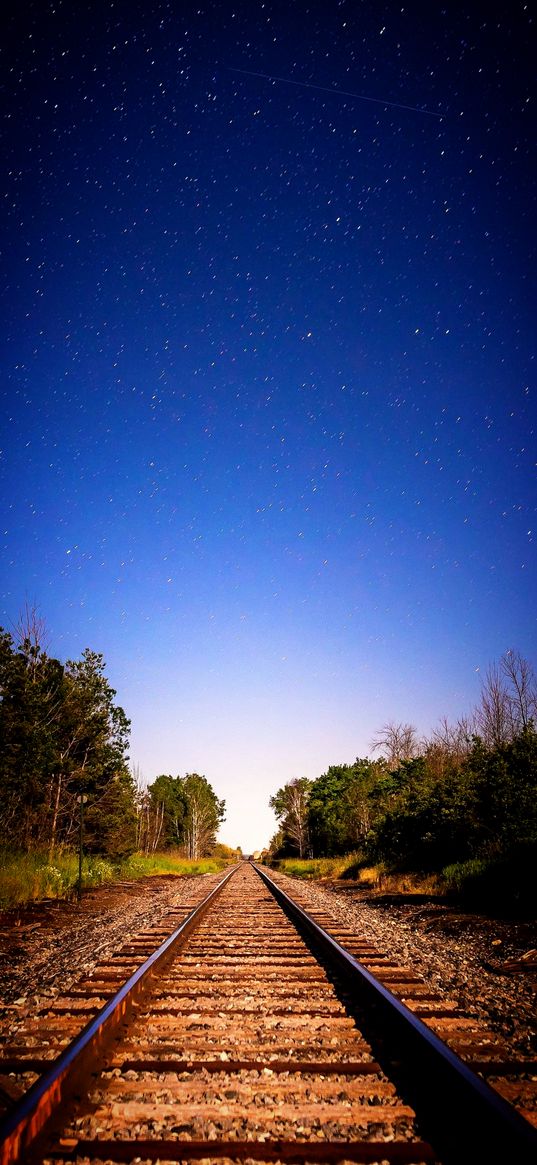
<point>248,1033</point>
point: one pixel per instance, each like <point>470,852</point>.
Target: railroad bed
<point>249,1039</point>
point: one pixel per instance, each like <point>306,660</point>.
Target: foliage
<point>340,806</point>
<point>182,811</point>
<point>461,808</point>
<point>63,736</point>
<point>426,820</point>
<point>484,807</point>
<point>290,805</point>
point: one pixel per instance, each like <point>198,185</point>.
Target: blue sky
<point>268,369</point>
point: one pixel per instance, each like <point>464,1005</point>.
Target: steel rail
<point>31,1118</point>
<point>463,1117</point>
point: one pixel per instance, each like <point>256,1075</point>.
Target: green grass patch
<point>317,868</point>
<point>31,877</point>
<point>140,866</point>
<point>28,877</point>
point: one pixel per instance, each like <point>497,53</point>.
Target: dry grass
<point>429,884</point>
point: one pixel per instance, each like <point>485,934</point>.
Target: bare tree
<point>297,816</point>
<point>508,700</point>
<point>449,743</point>
<point>30,635</point>
<point>521,684</point>
<point>494,714</point>
<point>399,742</point>
<point>140,804</point>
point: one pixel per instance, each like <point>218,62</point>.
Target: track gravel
<point>45,948</point>
<point>461,955</point>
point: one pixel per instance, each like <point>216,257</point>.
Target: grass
<point>142,866</point>
<point>317,868</point>
<point>351,866</point>
<point>27,877</point>
<point>504,883</point>
<point>496,885</point>
<point>30,877</point>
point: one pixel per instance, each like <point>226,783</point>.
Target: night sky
<point>268,295</point>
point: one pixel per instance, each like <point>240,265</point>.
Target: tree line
<point>465,794</point>
<point>179,812</point>
<point>63,737</point>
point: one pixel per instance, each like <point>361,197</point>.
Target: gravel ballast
<point>460,955</point>
<point>45,948</point>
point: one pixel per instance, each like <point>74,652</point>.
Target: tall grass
<point>497,884</point>
<point>316,868</point>
<point>140,866</point>
<point>30,877</point>
<point>27,877</point>
<point>352,866</point>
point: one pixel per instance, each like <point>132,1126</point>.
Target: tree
<point>505,784</point>
<point>290,804</point>
<point>360,799</point>
<point>493,714</point>
<point>521,684</point>
<point>399,742</point>
<point>31,686</point>
<point>204,814</point>
<point>62,735</point>
<point>110,820</point>
<point>168,802</point>
<point>449,745</point>
<point>428,820</point>
<point>92,758</point>
<point>508,702</point>
<point>276,846</point>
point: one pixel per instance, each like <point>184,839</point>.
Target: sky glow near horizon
<point>268,369</point>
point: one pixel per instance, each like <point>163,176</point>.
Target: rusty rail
<point>24,1127</point>
<point>465,1119</point>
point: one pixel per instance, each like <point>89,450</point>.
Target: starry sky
<point>268,381</point>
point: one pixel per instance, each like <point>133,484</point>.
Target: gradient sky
<point>268,291</point>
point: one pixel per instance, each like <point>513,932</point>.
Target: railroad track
<point>249,1033</point>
